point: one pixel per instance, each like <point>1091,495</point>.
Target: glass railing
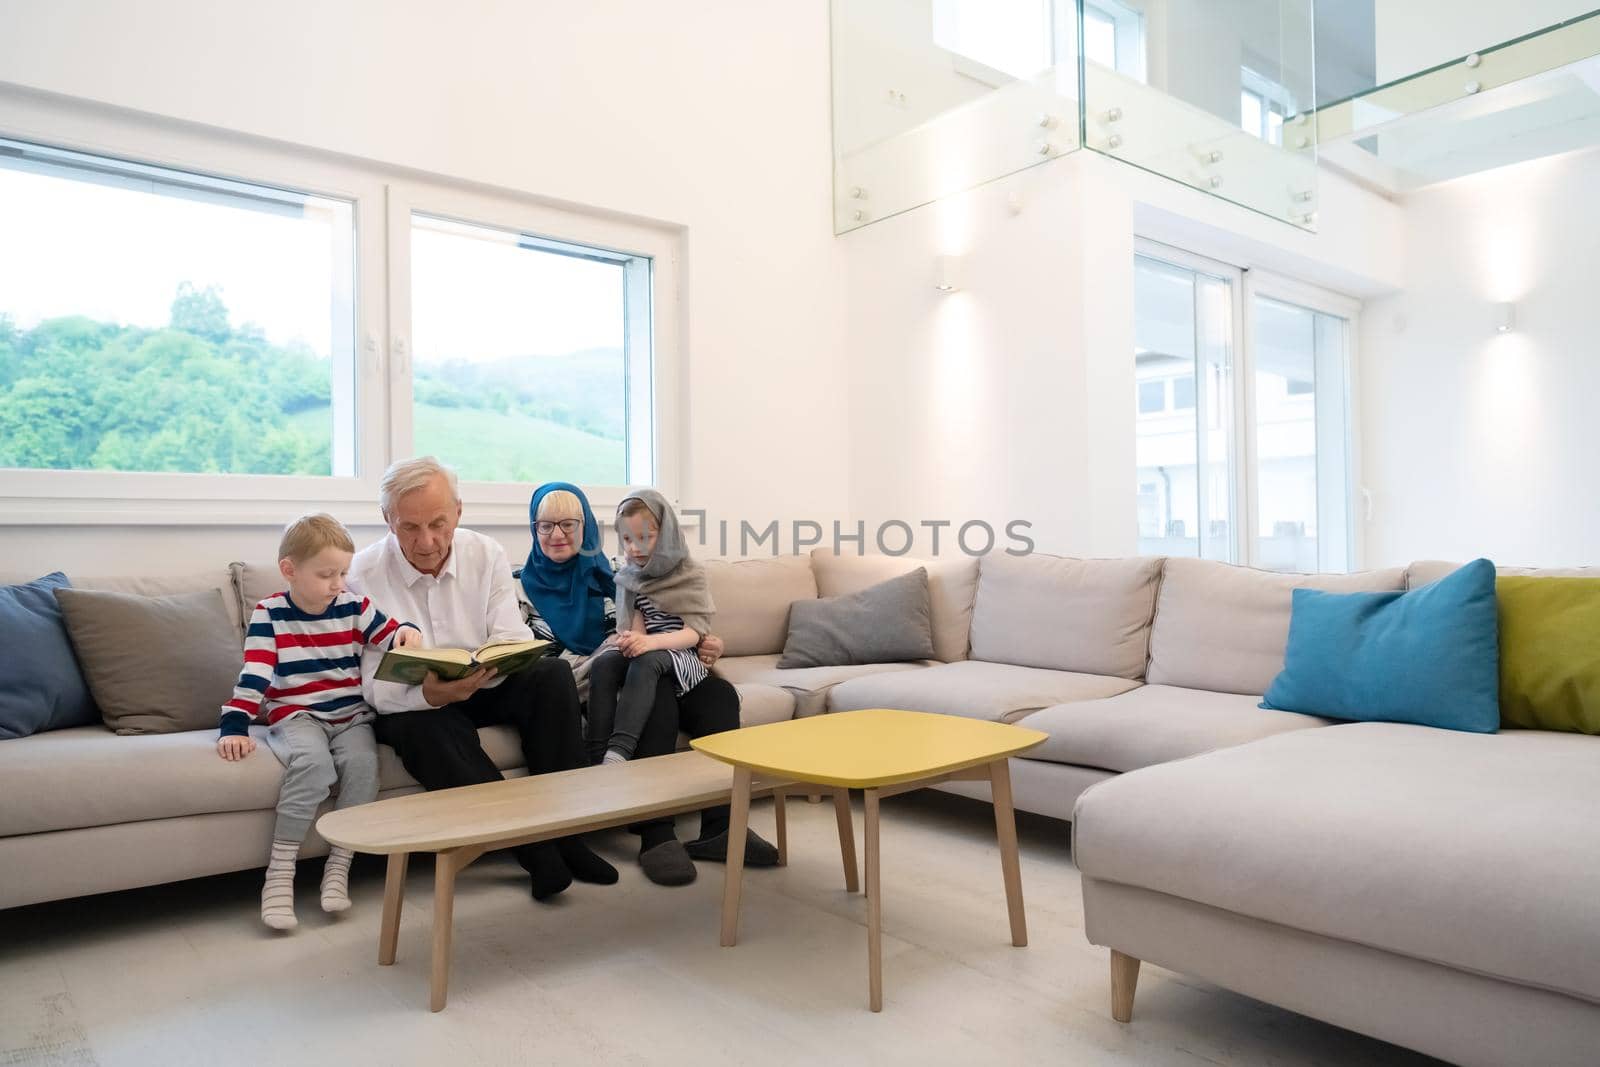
<point>932,97</point>
<point>1534,95</point>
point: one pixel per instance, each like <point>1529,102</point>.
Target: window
<point>157,320</point>
<point>522,353</point>
<point>1152,397</point>
<point>1021,38</point>
<point>1183,327</point>
<point>1280,470</point>
<point>206,329</point>
<point>1263,106</point>
<point>1300,467</point>
<point>1113,36</point>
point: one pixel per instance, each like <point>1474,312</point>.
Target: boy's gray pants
<point>315,755</point>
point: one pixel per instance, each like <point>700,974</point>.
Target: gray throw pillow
<point>885,623</point>
<point>155,664</point>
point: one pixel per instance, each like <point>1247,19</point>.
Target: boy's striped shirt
<point>295,662</point>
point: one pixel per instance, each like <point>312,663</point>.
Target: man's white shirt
<point>472,601</point>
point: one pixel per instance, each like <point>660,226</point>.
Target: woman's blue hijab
<point>570,596</point>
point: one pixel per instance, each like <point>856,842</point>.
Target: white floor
<point>633,974</point>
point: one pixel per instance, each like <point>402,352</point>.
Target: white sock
<point>614,755</point>
<point>336,881</point>
<point>277,893</point>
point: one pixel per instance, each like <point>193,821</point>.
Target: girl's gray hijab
<point>670,577</point>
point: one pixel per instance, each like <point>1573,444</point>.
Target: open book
<point>410,666</point>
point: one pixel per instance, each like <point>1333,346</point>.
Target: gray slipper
<point>667,863</point>
<point>757,852</point>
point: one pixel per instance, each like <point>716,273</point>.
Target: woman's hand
<point>632,643</point>
<point>235,747</point>
<point>408,637</point>
<point>710,650</point>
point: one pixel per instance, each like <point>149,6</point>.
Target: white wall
<point>712,115</point>
<point>1013,397</point>
<point>1478,443</point>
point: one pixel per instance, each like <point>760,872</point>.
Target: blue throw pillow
<point>1430,656</point>
<point>41,687</point>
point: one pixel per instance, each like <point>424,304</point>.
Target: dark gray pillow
<point>40,686</point>
<point>885,623</point>
<point>155,664</point>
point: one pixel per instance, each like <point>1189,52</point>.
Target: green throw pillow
<point>1550,653</point>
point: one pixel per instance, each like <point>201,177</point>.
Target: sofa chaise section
<point>1382,877</point>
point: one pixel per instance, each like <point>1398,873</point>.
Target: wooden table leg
<point>394,895</point>
<point>738,828</point>
<point>782,815</point>
<point>1005,829</point>
<point>874,906</point>
<point>847,839</point>
<point>445,867</point>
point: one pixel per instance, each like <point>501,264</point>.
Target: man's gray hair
<point>408,475</point>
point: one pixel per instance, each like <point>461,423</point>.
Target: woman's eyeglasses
<point>566,526</point>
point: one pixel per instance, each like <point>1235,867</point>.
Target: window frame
<point>89,497</point>
<point>657,377</point>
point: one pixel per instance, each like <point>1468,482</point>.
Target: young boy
<point>302,667</point>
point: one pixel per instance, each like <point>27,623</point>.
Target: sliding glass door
<point>1242,415</point>
<point>1185,310</point>
<point>1299,443</point>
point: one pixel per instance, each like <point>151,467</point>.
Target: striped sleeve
<point>376,627</point>
<point>260,661</point>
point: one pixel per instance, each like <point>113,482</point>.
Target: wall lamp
<point>947,273</point>
<point>1506,318</point>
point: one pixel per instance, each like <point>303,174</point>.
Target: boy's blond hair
<point>310,534</point>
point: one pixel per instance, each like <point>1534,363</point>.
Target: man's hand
<point>710,649</point>
<point>438,693</point>
<point>408,637</point>
<point>631,643</point>
<point>235,747</point>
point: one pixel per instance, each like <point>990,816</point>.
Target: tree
<point>200,312</point>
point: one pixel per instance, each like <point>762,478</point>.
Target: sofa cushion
<point>41,687</point>
<point>1155,724</point>
<point>1473,851</point>
<point>753,598</point>
<point>160,585</point>
<point>885,623</point>
<point>809,685</point>
<point>761,704</point>
<point>1224,628</point>
<point>1428,656</point>
<point>1086,615</point>
<point>155,664</point>
<point>952,585</point>
<point>1000,692</point>
<point>1550,653</point>
<point>1423,571</point>
<point>89,776</point>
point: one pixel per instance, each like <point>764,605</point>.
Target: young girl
<point>663,609</point>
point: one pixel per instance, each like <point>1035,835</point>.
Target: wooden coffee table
<point>459,825</point>
<point>881,752</point>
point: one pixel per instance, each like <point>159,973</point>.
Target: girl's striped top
<point>686,662</point>
<point>296,662</point>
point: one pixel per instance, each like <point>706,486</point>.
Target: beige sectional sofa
<point>1436,889</point>
<point>84,810</point>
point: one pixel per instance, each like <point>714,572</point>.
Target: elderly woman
<point>567,595</point>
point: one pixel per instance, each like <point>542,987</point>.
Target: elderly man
<point>456,585</point>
